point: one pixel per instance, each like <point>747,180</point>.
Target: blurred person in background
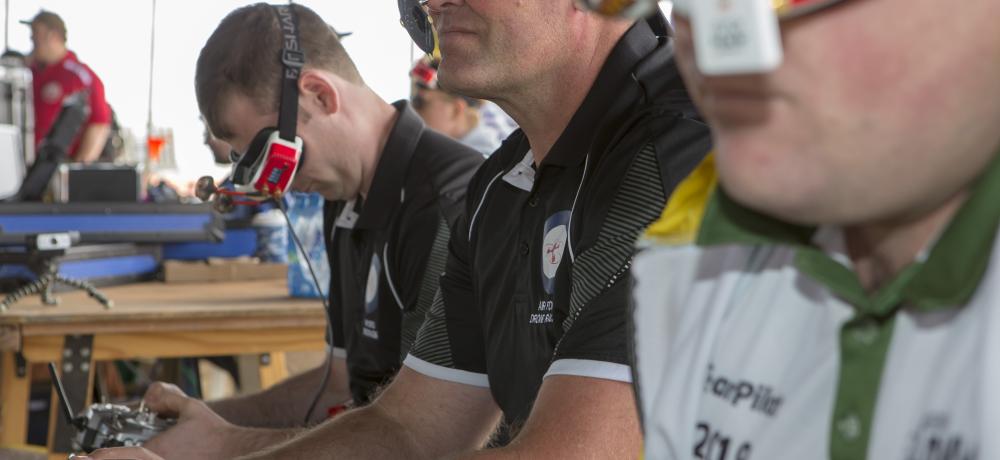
<point>58,73</point>
<point>474,122</point>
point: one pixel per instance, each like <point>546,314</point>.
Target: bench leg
<point>273,369</point>
<point>15,391</point>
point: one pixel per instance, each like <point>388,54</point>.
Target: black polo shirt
<point>536,278</point>
<point>387,251</point>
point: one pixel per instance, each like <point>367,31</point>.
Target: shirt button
<point>865,334</point>
<point>524,249</point>
<point>849,427</point>
<point>533,201</point>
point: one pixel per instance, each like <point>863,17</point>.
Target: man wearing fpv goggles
<point>308,122</point>
<point>841,295</point>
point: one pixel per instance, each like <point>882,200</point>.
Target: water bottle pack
<point>305,210</point>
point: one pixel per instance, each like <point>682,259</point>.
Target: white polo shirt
<point>756,340</point>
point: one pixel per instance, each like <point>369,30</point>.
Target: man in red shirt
<point>57,74</point>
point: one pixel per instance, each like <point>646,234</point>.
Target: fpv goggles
<point>269,165</point>
<point>267,168</point>
<point>730,36</point>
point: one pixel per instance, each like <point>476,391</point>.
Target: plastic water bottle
<point>272,236</point>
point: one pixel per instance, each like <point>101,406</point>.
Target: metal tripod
<point>48,277</point>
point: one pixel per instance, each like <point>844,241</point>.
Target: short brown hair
<point>50,20</point>
<point>242,57</point>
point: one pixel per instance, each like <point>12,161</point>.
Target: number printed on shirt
<point>713,445</point>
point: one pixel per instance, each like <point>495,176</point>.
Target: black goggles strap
<point>292,60</point>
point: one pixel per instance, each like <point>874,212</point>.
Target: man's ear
<point>320,91</point>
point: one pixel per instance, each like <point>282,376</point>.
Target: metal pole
<point>152,55</point>
<point>6,25</point>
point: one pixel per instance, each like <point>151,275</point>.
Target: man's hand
<point>120,453</point>
<point>199,432</point>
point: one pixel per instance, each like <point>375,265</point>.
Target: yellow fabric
<point>681,218</point>
<point>436,54</point>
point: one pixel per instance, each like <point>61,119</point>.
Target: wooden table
<point>148,320</point>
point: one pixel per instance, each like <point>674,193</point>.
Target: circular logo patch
<point>52,93</point>
<point>371,289</point>
<point>553,247</point>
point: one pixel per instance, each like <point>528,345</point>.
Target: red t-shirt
<point>56,81</point>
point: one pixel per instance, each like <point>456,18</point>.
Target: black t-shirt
<point>387,252</point>
<point>536,281</point>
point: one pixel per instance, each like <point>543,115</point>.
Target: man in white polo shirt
<point>838,295</point>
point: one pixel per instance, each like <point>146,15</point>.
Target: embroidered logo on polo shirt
<point>754,395</point>
<point>935,437</point>
<point>370,328</point>
<point>52,92</point>
<point>553,248</point>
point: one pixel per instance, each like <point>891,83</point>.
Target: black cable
<point>326,308</point>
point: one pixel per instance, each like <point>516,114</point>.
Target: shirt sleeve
<point>337,325</point>
<point>100,112</point>
<point>336,317</point>
<point>450,344</point>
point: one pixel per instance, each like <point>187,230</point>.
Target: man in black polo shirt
<point>533,300</point>
<point>529,322</point>
<point>393,188</point>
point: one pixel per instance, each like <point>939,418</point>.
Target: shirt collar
<point>386,192</point>
<point>69,56</point>
<point>612,97</point>
<point>946,275</point>
<point>522,175</point>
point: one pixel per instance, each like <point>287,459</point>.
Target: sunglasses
<point>634,9</point>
